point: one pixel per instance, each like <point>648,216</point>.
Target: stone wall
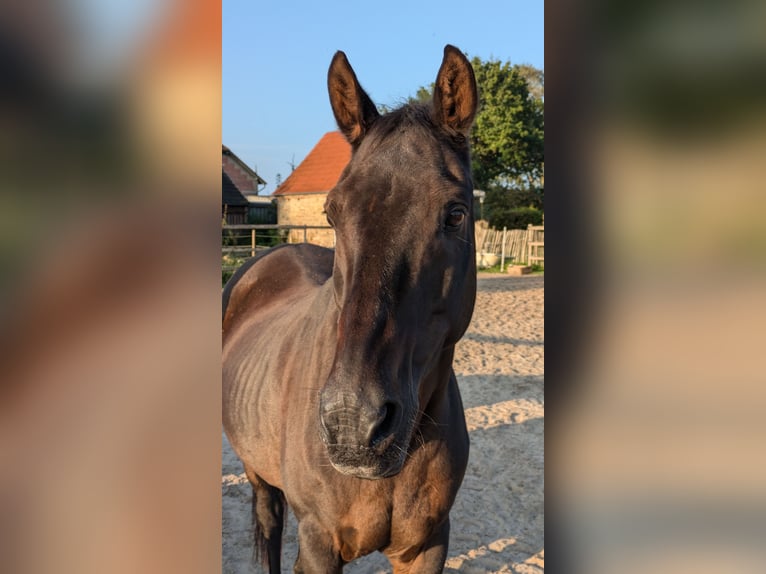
<point>305,209</point>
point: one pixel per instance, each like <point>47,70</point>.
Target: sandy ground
<point>497,520</point>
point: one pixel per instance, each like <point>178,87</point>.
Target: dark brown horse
<point>338,388</point>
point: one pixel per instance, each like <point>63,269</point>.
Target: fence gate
<point>536,244</point>
<point>519,246</point>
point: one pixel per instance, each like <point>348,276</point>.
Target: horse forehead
<point>407,170</point>
<point>415,145</point>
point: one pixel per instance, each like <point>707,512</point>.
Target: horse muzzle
<point>364,463</point>
<point>362,438</point>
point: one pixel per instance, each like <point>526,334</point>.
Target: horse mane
<point>417,116</point>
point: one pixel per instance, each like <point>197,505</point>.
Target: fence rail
<point>512,246</point>
<point>241,241</point>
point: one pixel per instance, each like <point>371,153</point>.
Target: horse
<point>339,395</point>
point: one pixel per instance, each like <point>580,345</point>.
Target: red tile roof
<point>321,169</point>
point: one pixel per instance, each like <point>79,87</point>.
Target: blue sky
<point>276,55</point>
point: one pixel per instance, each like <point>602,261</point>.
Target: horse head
<point>404,275</point>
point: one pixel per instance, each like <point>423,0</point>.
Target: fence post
<point>252,243</point>
<point>530,237</point>
<point>502,252</point>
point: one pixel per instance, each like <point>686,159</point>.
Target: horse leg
<point>268,522</point>
<point>431,558</point>
<point>316,551</point>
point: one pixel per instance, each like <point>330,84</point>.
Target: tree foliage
<point>515,217</point>
<point>508,135</point>
<point>535,80</point>
<point>513,207</point>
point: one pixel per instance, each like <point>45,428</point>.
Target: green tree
<point>535,80</point>
<point>508,135</point>
<point>513,207</point>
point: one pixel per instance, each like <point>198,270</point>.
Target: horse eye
<point>328,216</point>
<point>455,219</point>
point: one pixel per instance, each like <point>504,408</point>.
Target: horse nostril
<point>383,426</point>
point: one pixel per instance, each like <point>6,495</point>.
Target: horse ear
<point>455,96</point>
<point>353,108</point>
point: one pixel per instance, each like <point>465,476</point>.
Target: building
<point>248,183</point>
<point>235,207</point>
<point>301,197</point>
<point>244,178</point>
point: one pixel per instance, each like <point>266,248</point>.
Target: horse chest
<point>363,532</point>
<point>399,519</point>
<point>371,530</point>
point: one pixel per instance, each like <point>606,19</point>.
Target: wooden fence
<point>240,242</point>
<point>513,246</point>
